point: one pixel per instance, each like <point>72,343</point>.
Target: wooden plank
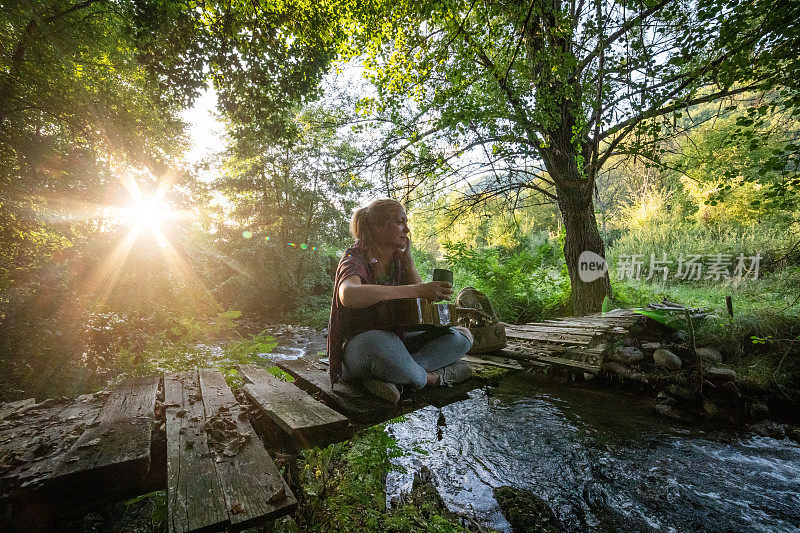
<point>581,326</point>
<point>549,337</point>
<point>315,380</point>
<point>33,444</point>
<point>524,352</point>
<point>584,328</point>
<point>569,364</point>
<point>493,361</point>
<point>9,408</point>
<point>195,501</point>
<point>307,422</point>
<point>254,489</point>
<point>114,454</point>
<point>362,408</point>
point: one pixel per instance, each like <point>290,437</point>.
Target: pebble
<point>667,359</point>
<point>651,346</point>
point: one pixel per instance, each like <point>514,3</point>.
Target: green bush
<point>526,284</point>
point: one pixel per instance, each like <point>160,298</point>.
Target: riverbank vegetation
<point>661,138</point>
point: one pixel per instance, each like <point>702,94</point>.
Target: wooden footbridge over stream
<point>190,434</point>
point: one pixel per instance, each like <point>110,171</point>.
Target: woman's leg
<point>443,350</point>
<point>378,354</point>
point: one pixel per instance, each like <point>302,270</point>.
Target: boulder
<point>709,354</point>
<point>666,359</point>
<point>770,428</point>
<point>718,374</point>
<point>627,355</point>
<point>651,346</point>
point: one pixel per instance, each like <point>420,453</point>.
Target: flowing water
<point>601,460</point>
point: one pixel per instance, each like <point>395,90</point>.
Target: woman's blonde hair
<point>367,221</point>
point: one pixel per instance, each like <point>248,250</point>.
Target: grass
<point>761,341</point>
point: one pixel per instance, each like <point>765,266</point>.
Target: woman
<point>379,267</point>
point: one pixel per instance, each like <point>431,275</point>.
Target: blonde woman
<point>376,268</point>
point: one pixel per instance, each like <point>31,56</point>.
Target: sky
<point>205,130</point>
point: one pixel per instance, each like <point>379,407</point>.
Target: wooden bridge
<point>187,432</point>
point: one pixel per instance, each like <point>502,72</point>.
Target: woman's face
<point>396,232</point>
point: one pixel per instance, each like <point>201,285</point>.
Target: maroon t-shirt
<point>341,326</point>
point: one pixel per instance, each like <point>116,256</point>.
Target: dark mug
<point>442,274</point>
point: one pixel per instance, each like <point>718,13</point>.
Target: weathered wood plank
<point>549,337</point>
<point>114,454</point>
<point>571,326</point>
<point>195,501</point>
<point>502,362</point>
<point>312,377</point>
<point>524,352</point>
<point>569,364</point>
<point>590,332</point>
<point>253,488</point>
<point>361,408</point>
<point>308,422</point>
<point>9,408</point>
<point>33,444</point>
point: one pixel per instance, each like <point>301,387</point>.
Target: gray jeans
<point>405,359</point>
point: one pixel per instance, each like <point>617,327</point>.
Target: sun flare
<point>149,213</point>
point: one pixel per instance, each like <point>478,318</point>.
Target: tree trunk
<point>577,209</point>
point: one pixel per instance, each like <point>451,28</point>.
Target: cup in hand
<point>442,274</point>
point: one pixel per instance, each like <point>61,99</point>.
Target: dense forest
<point>660,135</point>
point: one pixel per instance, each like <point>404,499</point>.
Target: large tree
<point>541,95</point>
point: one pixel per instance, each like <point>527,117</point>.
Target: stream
<point>600,459</point>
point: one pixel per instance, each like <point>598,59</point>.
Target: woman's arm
<point>352,293</point>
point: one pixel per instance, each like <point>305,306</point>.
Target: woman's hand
<point>435,291</point>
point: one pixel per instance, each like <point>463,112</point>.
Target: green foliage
<point>343,489</point>
<point>523,284</point>
<point>243,351</point>
<point>761,345</point>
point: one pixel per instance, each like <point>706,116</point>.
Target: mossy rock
<point>525,511</point>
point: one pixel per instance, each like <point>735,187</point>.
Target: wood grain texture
<point>569,364</point>
<point>306,421</point>
<point>253,488</point>
<point>115,450</point>
<point>34,442</point>
<point>195,501</point>
<point>312,377</point>
<point>553,337</point>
